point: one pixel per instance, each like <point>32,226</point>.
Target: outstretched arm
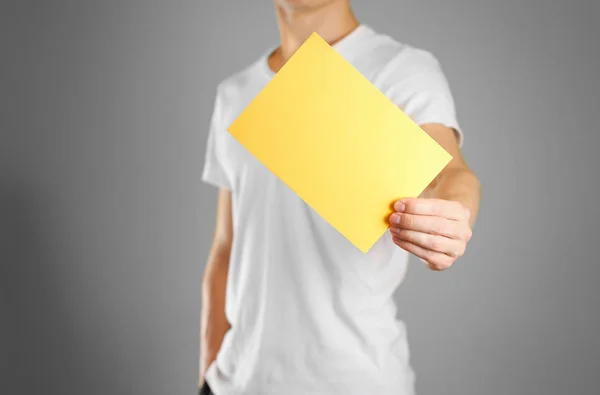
<point>437,225</point>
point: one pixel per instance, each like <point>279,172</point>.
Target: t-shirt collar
<point>339,46</point>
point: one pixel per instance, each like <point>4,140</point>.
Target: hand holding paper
<point>435,230</point>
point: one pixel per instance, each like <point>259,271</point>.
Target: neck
<point>332,22</point>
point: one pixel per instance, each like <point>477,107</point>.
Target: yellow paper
<point>338,142</point>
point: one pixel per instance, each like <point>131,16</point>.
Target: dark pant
<point>205,390</point>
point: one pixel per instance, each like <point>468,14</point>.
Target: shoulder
<point>241,81</point>
<point>402,70</point>
<point>402,60</point>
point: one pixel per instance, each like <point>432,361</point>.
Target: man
<point>291,307</point>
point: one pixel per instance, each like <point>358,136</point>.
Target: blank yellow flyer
<point>332,137</point>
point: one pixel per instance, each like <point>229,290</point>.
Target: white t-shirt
<point>309,312</point>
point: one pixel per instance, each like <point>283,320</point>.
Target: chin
<point>304,4</point>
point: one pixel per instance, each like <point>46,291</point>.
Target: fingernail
<point>399,206</point>
<point>395,218</point>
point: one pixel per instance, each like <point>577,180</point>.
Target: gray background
<point>106,226</point>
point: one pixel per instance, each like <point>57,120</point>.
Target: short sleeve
<point>424,94</point>
<point>213,172</point>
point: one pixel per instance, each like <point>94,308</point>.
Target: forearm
<point>457,184</point>
<point>214,323</point>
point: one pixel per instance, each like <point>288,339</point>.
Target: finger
<point>435,260</point>
<point>427,224</point>
<point>433,207</point>
<point>445,245</point>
